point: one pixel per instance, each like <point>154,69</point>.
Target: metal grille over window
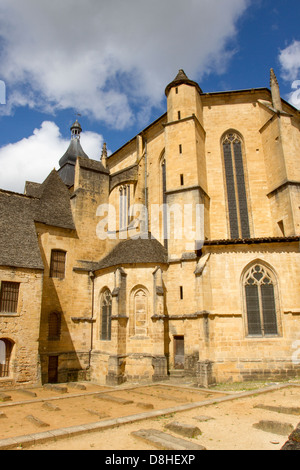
<point>235,185</point>
<point>57,265</point>
<point>9,297</point>
<point>106,308</point>
<point>260,302</point>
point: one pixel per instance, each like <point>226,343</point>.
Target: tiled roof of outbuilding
<point>134,251</point>
<point>48,203</point>
<point>18,238</point>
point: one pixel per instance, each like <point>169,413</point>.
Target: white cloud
<point>290,64</point>
<point>290,61</point>
<point>32,158</point>
<point>106,58</point>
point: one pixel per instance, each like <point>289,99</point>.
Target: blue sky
<point>110,61</point>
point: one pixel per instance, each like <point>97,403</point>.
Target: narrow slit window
<point>181,292</point>
<point>179,115</point>
<point>181,180</point>
<point>180,148</point>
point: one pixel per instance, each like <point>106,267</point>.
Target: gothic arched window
<point>141,312</point>
<point>106,306</point>
<point>260,300</point>
<point>124,206</point>
<point>235,186</point>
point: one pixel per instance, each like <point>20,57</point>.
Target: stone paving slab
<point>165,441</point>
<point>274,427</point>
<point>183,429</point>
<point>121,401</point>
<point>293,410</point>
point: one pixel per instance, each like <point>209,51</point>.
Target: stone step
<point>177,373</point>
<point>164,441</point>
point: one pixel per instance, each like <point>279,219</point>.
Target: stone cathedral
<point>176,255</point>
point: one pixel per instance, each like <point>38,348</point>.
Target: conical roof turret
<point>181,78</point>
<point>68,160</point>
<point>74,150</point>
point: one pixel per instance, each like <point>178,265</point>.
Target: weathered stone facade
<point>139,299</point>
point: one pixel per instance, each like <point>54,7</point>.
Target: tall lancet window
<point>124,207</point>
<point>260,288</point>
<point>235,185</point>
<point>106,312</point>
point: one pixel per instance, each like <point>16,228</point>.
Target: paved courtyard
<point>87,416</point>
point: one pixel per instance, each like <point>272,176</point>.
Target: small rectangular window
<point>177,90</point>
<point>9,297</point>
<point>181,180</point>
<point>181,292</point>
<point>179,115</point>
<point>180,148</point>
<point>57,264</point>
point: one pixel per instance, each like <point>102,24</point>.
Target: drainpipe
<point>146,187</point>
<point>92,277</point>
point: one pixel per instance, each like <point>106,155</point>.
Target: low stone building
<point>177,254</point>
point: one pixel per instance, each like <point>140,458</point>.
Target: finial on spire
<point>276,99</point>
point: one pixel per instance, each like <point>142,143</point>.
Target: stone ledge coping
<point>63,433</point>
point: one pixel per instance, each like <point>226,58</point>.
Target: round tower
<point>183,98</point>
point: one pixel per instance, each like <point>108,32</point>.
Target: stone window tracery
<point>260,300</point>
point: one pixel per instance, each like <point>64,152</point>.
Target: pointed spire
<point>181,78</point>
<point>104,155</point>
<point>276,99</point>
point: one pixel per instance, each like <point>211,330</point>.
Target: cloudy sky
<point>110,61</point>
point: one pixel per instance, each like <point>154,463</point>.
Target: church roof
<point>134,251</point>
<point>54,207</point>
<point>47,203</point>
<point>18,238</point>
<point>181,78</point>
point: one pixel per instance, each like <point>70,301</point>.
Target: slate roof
<point>74,150</point>
<point>54,208</point>
<point>48,203</point>
<point>18,239</point>
<point>93,165</point>
<point>134,251</point>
